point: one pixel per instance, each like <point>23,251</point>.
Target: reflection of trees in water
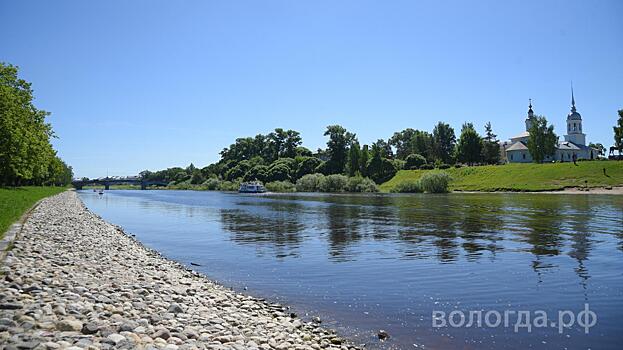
<point>279,231</point>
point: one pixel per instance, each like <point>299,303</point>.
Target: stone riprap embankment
<point>74,281</point>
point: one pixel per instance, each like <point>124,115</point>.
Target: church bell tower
<point>574,125</point>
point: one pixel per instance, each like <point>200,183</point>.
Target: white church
<point>516,150</point>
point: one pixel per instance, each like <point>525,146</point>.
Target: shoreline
<point>75,281</point>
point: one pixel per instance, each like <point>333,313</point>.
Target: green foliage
<point>435,182</point>
<point>303,152</point>
<point>280,186</point>
<point>354,158</point>
<point>211,184</point>
<point>469,147</point>
<point>258,172</point>
<point>427,166</point>
<point>409,186</point>
<point>542,140</point>
<point>307,165</point>
<point>444,142</point>
<point>364,159</point>
<point>490,146</point>
<point>380,169</point>
<point>197,177</point>
<point>279,171</point>
<point>618,133</point>
<point>361,184</point>
<point>444,166</point>
<point>15,201</point>
<point>26,154</point>
<point>310,183</point>
<point>339,139</point>
<point>238,171</point>
<point>229,186</point>
<point>414,161</point>
<point>333,183</point>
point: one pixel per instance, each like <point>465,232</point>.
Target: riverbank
<point>527,177</point>
<point>15,201</point>
<point>75,281</point>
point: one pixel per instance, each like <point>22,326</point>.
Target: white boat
<point>252,187</point>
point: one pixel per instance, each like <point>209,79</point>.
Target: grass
<point>15,201</point>
<point>524,177</point>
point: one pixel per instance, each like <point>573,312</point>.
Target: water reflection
<point>395,256</point>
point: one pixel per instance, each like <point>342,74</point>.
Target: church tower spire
<point>574,124</point>
<point>530,116</point>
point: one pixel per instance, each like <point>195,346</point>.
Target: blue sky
<point>136,85</point>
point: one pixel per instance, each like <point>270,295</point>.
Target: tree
<point>363,161</point>
<point>26,154</point>
<point>385,148</point>
<point>307,165</point>
<point>422,143</point>
<point>469,147</point>
<point>292,142</point>
<point>601,150</point>
<point>197,177</point>
<point>403,142</point>
<point>444,142</point>
<point>414,161</point>
<point>542,140</point>
<point>491,147</point>
<point>258,172</point>
<point>339,139</point>
<point>380,169</point>
<point>354,155</point>
<point>618,133</point>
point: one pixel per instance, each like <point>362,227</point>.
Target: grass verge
<point>15,201</point>
<point>524,177</point>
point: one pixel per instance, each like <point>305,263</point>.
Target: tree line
<point>280,157</point>
<point>26,154</point>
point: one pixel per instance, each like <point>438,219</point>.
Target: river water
<point>392,262</point>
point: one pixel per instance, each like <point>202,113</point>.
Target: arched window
<point>523,155</point>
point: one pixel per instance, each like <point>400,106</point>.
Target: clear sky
<point>136,85</point>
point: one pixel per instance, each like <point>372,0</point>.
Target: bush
<point>409,186</point>
<point>211,184</point>
<point>435,182</point>
<point>280,186</point>
<point>309,183</point>
<point>457,165</point>
<point>427,167</point>
<point>361,184</point>
<point>229,186</point>
<point>414,161</point>
<point>444,166</point>
<point>333,183</point>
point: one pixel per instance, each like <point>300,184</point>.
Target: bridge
<point>108,181</point>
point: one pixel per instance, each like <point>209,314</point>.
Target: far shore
<point>617,190</point>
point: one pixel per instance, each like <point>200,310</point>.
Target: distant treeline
<point>26,154</point>
<point>280,157</point>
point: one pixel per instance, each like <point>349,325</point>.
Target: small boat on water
<point>252,187</point>
<point>101,192</point>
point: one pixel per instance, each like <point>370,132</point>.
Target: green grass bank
<point>15,201</point>
<point>524,177</point>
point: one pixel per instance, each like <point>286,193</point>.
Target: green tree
<point>403,141</point>
<point>491,147</point>
<point>469,147</point>
<point>363,160</point>
<point>422,143</point>
<point>414,161</point>
<point>542,140</point>
<point>26,154</point>
<point>337,148</point>
<point>444,142</point>
<point>292,142</point>
<point>380,169</point>
<point>354,155</point>
<point>618,133</point>
<point>601,150</point>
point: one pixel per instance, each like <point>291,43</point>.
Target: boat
<point>252,187</point>
<point>101,192</point>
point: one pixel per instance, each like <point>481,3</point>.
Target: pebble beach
<point>73,281</point>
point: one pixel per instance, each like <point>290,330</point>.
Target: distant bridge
<point>108,181</point>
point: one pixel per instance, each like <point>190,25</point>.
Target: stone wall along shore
<point>74,281</point>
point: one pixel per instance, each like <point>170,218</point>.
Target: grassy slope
<point>15,201</point>
<point>524,177</point>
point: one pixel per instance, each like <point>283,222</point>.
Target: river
<point>369,262</point>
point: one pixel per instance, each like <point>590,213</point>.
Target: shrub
<point>229,186</point>
<point>435,182</point>
<point>457,165</point>
<point>278,172</point>
<point>414,161</point>
<point>258,172</point>
<point>361,184</point>
<point>309,183</point>
<point>444,166</point>
<point>427,167</point>
<point>280,186</point>
<point>409,186</point>
<point>333,183</point>
<point>307,165</point>
<point>211,184</point>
